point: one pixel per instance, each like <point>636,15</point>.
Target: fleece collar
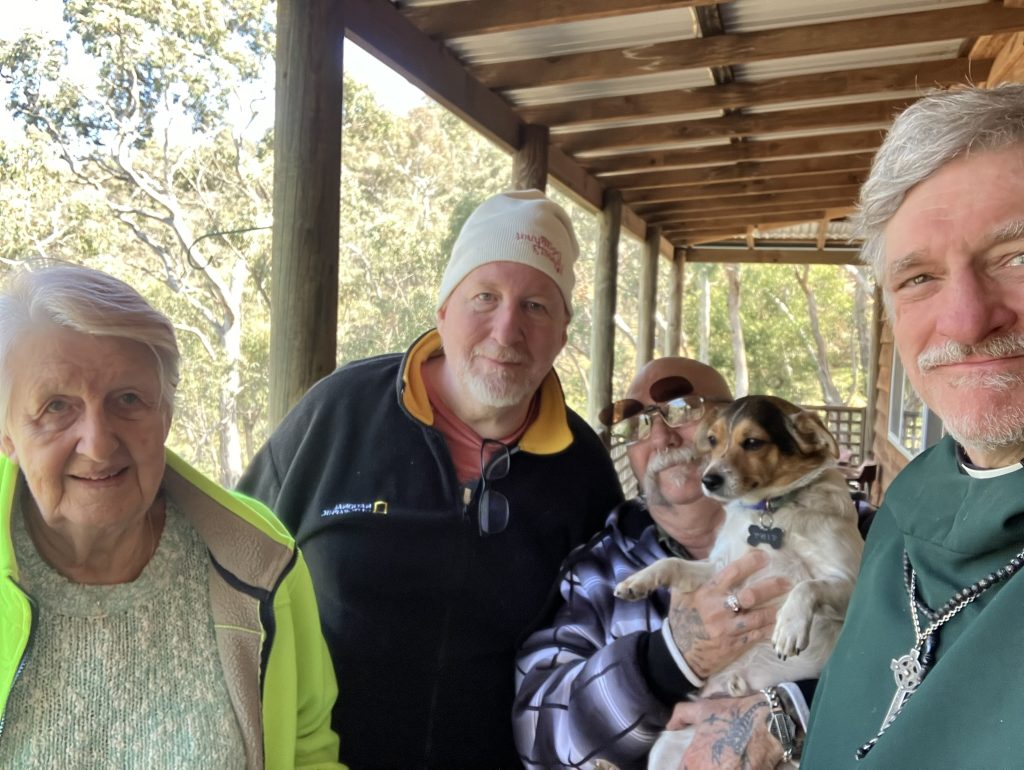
<point>547,434</point>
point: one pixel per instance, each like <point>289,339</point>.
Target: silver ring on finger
<point>733,603</point>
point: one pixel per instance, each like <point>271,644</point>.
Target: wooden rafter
<point>872,80</point>
<point>770,149</point>
<point>743,170</point>
<point>847,116</point>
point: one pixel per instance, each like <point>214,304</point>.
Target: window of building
<point>912,426</point>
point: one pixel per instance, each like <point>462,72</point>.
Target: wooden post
<point>530,162</point>
<point>648,296</point>
<point>307,168</point>
<point>674,334</point>
<point>871,412</point>
<point>602,330</point>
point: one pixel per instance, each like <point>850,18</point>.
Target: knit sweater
<point>160,704</point>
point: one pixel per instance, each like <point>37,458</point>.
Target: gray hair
<point>87,301</point>
<point>935,130</point>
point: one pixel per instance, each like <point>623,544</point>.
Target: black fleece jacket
<point>422,614</point>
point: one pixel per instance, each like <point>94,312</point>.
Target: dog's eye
<point>712,439</point>
<point>750,444</point>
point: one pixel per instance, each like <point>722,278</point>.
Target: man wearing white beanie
<point>435,493</point>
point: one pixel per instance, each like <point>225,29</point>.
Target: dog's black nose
<point>712,481</point>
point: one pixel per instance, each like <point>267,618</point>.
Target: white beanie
<point>523,226</point>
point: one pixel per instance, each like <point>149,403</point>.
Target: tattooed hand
<point>707,632</point>
<point>730,733</point>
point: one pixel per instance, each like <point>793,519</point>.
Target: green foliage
<point>776,328</point>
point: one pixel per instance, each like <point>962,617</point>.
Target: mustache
<point>501,353</point>
<point>668,458</point>
<point>951,352</point>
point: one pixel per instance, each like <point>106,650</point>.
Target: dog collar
<point>771,504</point>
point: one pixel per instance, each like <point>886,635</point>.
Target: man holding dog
<point>926,671</point>
<point>436,493</point>
<point>610,674</point>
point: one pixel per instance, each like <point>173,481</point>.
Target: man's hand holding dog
<point>708,633</point>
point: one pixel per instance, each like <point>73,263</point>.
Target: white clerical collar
<point>984,473</point>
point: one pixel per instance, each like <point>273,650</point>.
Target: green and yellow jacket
<point>276,665</point>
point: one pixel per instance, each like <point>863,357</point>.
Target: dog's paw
<point>792,631</point>
<point>634,587</point>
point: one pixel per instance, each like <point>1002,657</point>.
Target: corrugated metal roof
<point>847,60</point>
<point>592,89</point>
<point>729,107</point>
<point>753,15</point>
<point>577,36</point>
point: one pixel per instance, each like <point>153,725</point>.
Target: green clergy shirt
<point>969,711</point>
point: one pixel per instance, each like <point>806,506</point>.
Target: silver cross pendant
<point>908,672</point>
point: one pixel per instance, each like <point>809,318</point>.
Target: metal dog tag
<point>758,535</point>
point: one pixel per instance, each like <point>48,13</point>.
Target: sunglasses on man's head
<point>629,421</point>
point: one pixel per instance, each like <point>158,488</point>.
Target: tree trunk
<point>828,388</point>
<point>704,317</point>
<point>739,348</point>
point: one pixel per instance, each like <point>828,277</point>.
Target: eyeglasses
<point>629,421</point>
<point>676,413</point>
<point>492,508</point>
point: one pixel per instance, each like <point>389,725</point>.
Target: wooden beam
<point>530,160</point>
<point>602,330</point>
<point>648,297</point>
<point>746,187</point>
<point>483,17</point>
<point>773,256</point>
<point>743,170</point>
<point>757,199</point>
<point>843,117</point>
<point>380,28</point>
<point>674,332</point>
<point>669,217</point>
<point>763,45</point>
<point>872,80</point>
<point>307,179</point>
<point>383,31</point>
<point>770,149</point>
<point>737,221</point>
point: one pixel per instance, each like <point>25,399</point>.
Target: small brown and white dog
<point>773,465</point>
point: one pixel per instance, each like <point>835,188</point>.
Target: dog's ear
<point>700,439</point>
<point>810,434</point>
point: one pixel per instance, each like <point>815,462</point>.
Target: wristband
<point>781,724</point>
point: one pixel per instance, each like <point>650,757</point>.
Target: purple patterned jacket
<point>597,683</point>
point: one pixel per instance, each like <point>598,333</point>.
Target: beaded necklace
<point>910,670</point>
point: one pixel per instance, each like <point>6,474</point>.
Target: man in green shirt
<point>926,673</point>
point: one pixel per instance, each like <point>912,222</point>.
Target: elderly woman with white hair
<point>148,617</point>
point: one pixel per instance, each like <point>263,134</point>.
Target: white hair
<point>935,130</point>
<point>88,301</point>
